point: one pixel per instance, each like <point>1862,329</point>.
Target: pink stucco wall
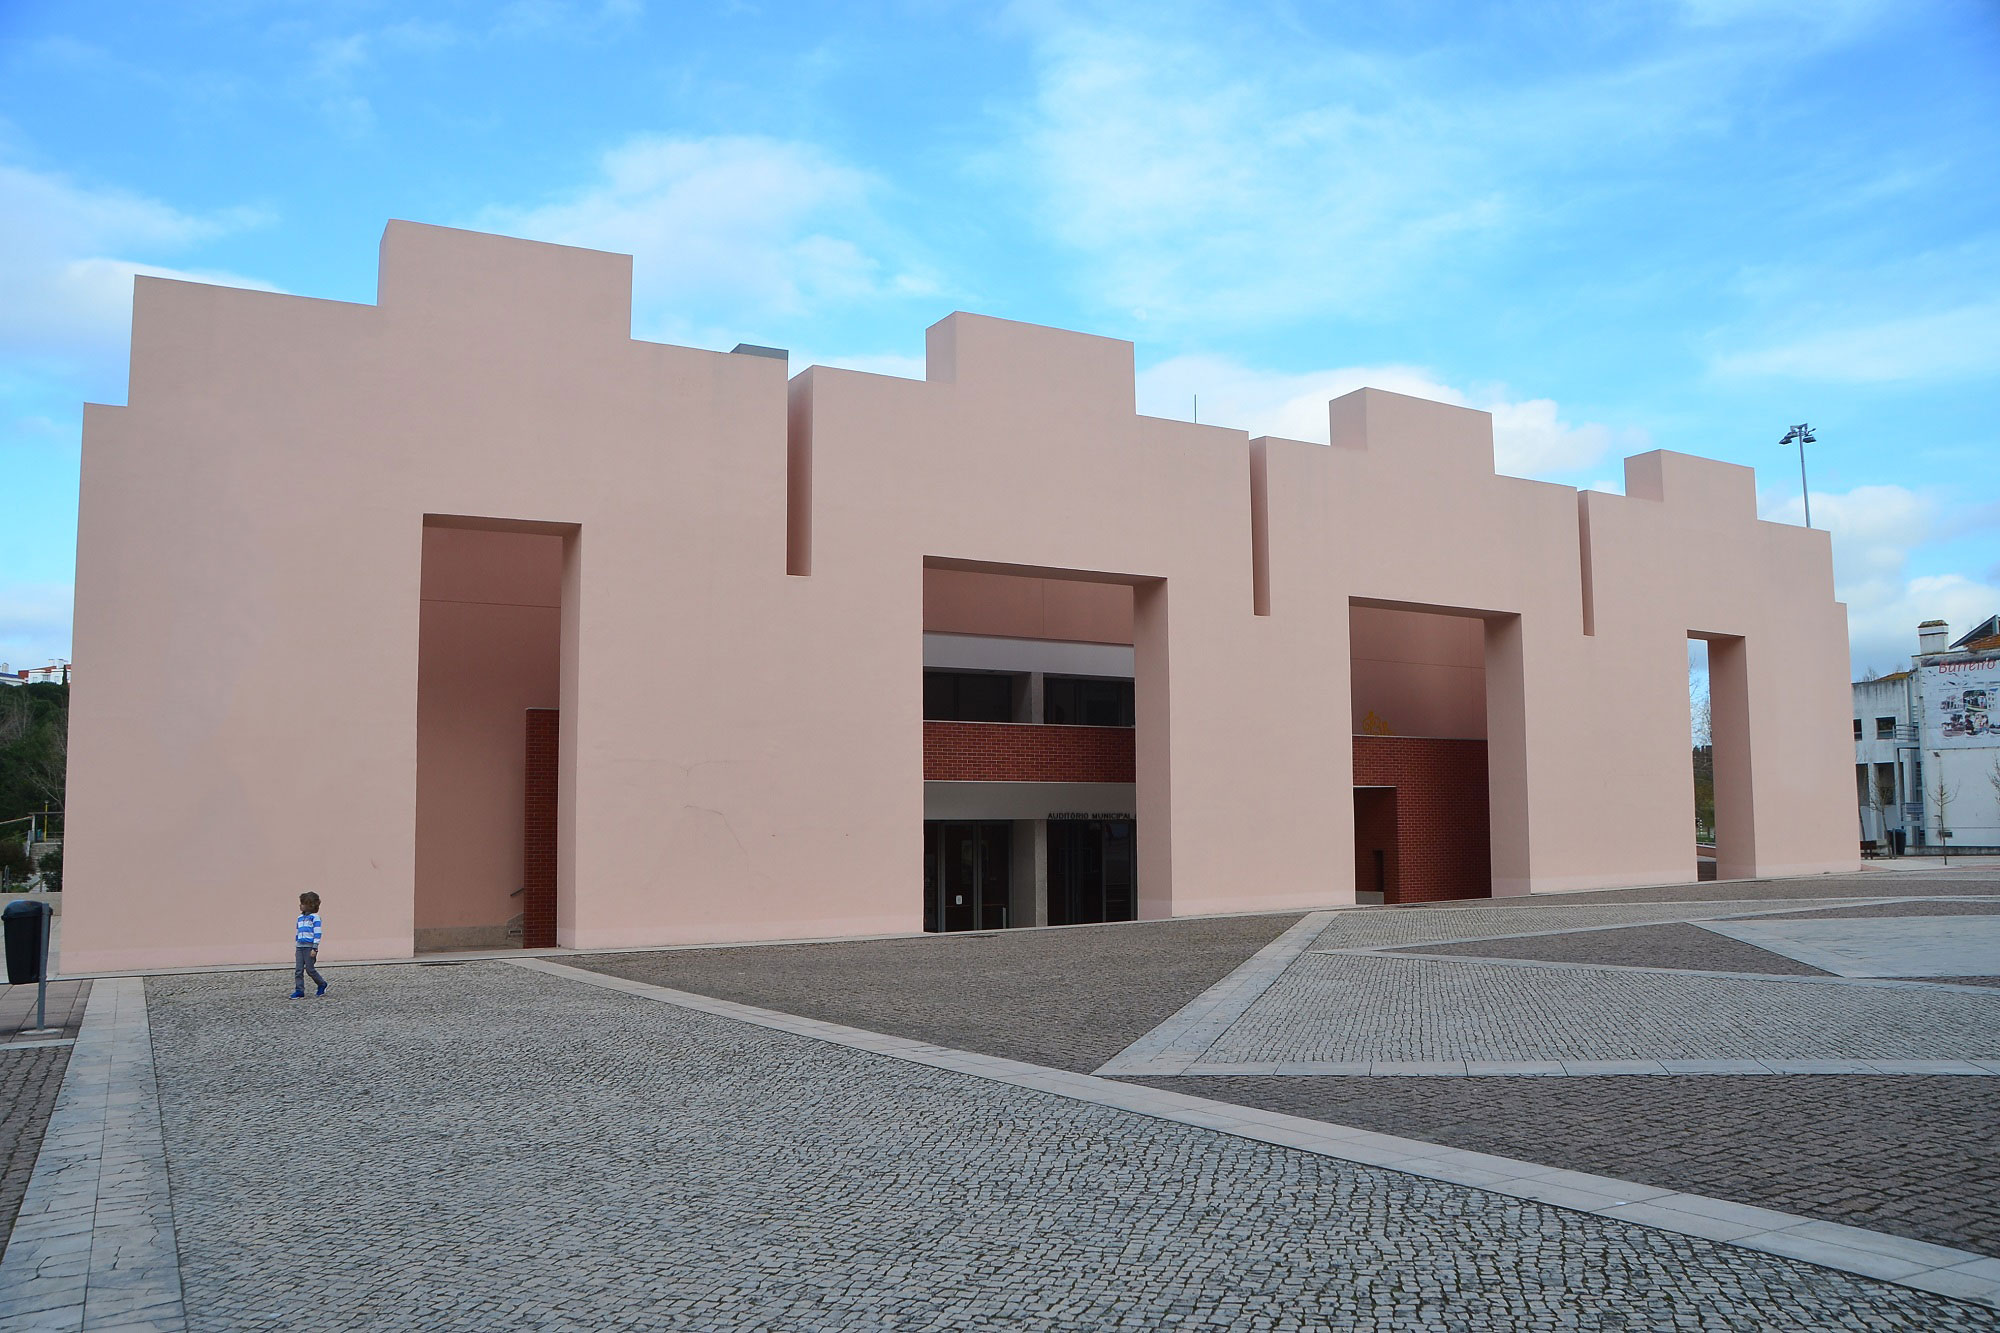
<point>742,588</point>
<point>1417,674</point>
<point>960,602</point>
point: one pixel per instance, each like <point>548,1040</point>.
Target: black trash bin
<point>26,929</point>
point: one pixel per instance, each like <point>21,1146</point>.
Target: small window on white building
<point>1885,728</point>
<point>1857,728</point>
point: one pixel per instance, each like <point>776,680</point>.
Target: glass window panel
<point>933,835</point>
<point>1082,701</point>
<point>961,887</point>
<point>996,845</point>
<point>985,698</point>
<point>968,696</point>
<point>1060,840</point>
<point>1120,851</point>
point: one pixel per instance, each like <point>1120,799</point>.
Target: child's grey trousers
<point>302,967</point>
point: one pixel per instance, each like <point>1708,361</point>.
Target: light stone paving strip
<point>1343,1007</point>
<point>1377,929</point>
<point>93,1247</point>
<point>1554,965</point>
<point>1360,1011</point>
<point>1899,947</point>
<point>1182,1040</point>
<point>1572,921</point>
<point>1911,1263</point>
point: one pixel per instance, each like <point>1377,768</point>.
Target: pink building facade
<point>660,645</point>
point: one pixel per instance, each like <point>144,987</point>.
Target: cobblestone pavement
<point>1917,908</point>
<point>1907,1155</point>
<point>30,1077</point>
<point>481,1147</point>
<point>1671,944</point>
<point>1436,923</point>
<point>1070,999</point>
<point>1913,1156</point>
<point>1349,1007</point>
<point>1887,882</point>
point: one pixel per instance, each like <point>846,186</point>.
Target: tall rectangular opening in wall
<point>1730,760</point>
<point>1422,813</point>
<point>489,677</point>
<point>1701,745</point>
<point>1034,699</point>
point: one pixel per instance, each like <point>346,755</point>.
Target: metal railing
<point>43,826</point>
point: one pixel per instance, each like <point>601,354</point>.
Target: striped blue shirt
<point>308,936</point>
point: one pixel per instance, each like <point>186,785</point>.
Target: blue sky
<point>1616,226</point>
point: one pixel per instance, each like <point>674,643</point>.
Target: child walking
<point>306,951</point>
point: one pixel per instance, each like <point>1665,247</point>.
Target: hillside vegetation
<point>34,749</point>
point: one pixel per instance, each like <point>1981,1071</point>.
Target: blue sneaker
<point>321,990</point>
<point>298,995</point>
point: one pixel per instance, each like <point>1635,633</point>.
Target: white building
<point>55,673</point>
<point>1927,745</point>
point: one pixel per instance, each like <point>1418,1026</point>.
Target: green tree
<point>15,865</point>
<point>34,748</point>
<point>1704,793</point>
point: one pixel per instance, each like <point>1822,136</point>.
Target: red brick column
<point>1443,846</point>
<point>538,831</point>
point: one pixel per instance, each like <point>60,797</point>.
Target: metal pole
<point>1804,490</point>
<point>1802,435</point>
<point>42,988</point>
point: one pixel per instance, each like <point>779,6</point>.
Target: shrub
<point>52,871</point>
<point>15,867</point>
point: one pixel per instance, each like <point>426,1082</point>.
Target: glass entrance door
<point>1093,871</point>
<point>967,874</point>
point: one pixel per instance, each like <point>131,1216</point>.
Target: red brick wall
<point>1442,844</point>
<point>538,832</point>
<point>1025,752</point>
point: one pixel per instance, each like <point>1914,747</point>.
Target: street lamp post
<point>1802,436</point>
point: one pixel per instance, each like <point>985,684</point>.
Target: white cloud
<point>1875,531</point>
<point>1945,345</point>
<point>737,225</point>
<point>87,300</point>
<point>1530,437</point>
<point>67,257</point>
<point>34,622</point>
<point>1200,181</point>
<point>335,64</point>
<point>1242,165</point>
